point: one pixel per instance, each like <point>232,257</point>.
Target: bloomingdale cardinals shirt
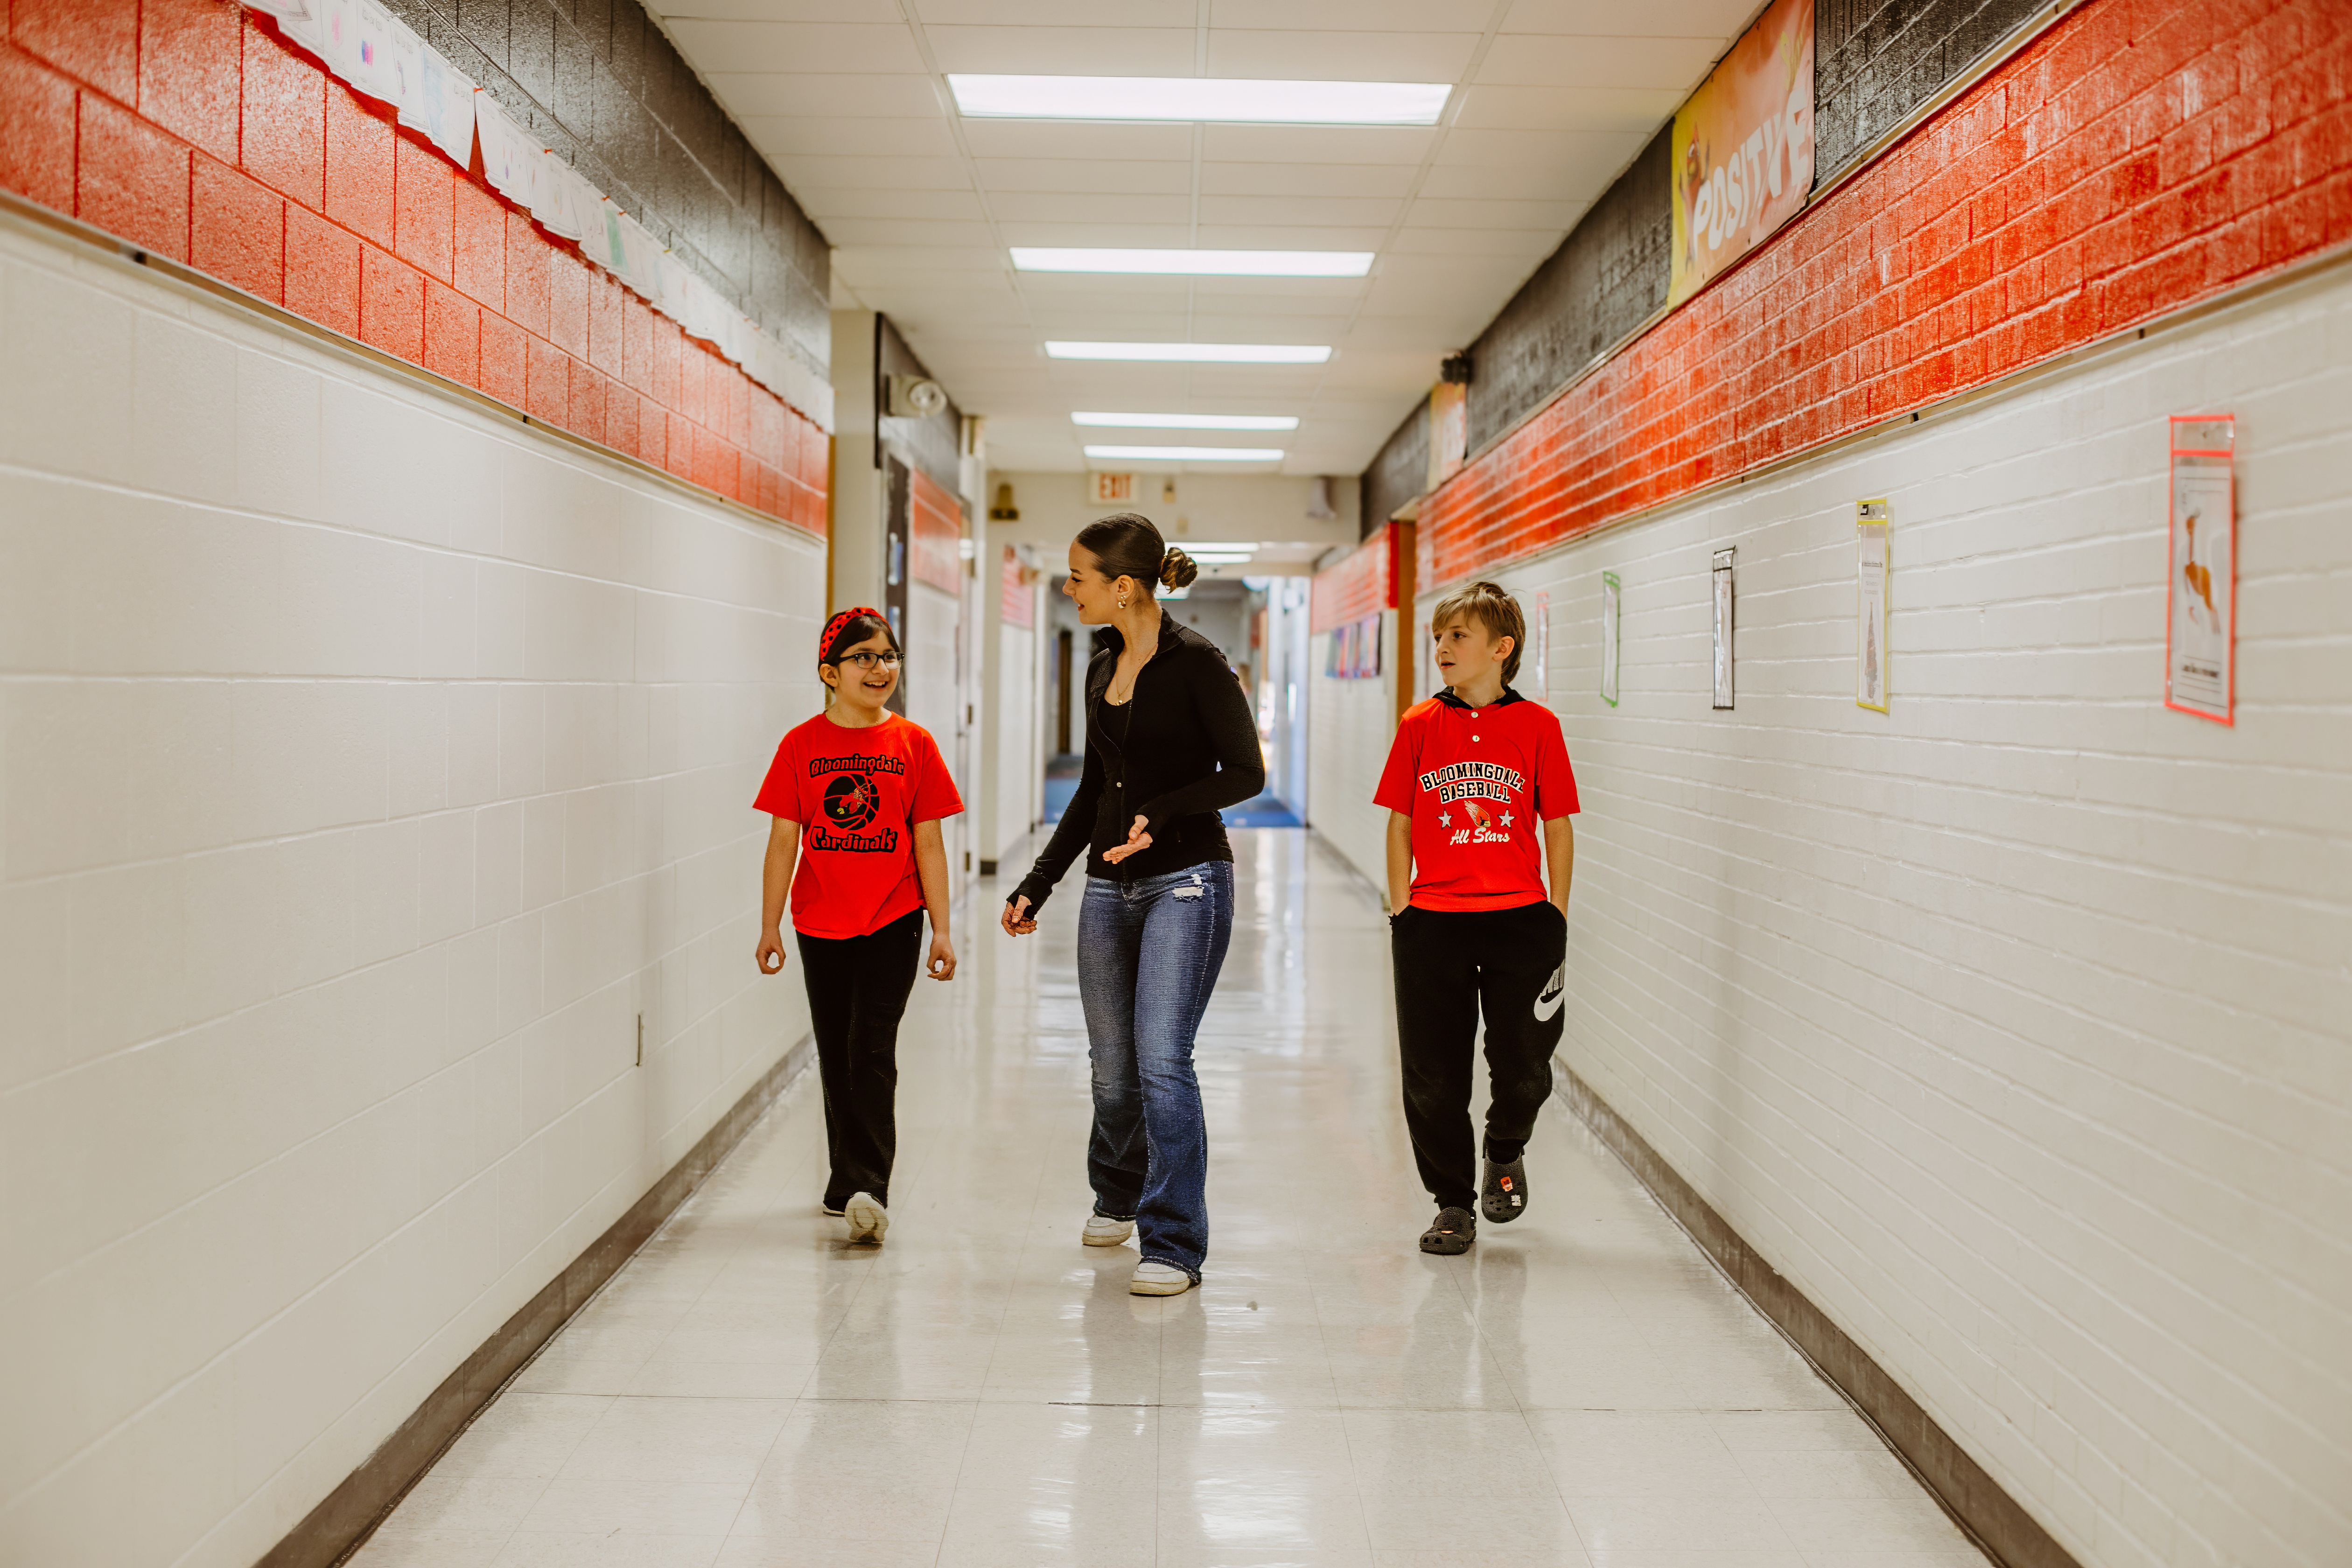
<point>1477,783</point>
<point>858,794</point>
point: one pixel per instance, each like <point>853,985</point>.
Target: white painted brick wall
<point>1349,725</point>
<point>366,765</point>
<point>2014,1026</point>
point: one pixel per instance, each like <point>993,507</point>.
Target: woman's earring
<point>1122,604</point>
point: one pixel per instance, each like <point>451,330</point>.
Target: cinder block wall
<point>2011,1026</point>
<point>371,763</point>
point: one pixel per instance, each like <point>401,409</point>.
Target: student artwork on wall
<point>1723,627</point>
<point>1873,519</point>
<point>1608,594</point>
<point>2201,620</point>
<point>1540,648</point>
<point>1355,650</point>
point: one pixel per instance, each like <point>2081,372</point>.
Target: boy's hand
<point>772,951</point>
<point>1138,841</point>
<point>942,963</point>
<point>1016,919</point>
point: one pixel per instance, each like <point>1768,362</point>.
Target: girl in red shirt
<point>857,794</point>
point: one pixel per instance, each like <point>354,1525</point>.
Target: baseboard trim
<point>341,1524</point>
<point>2006,1532</point>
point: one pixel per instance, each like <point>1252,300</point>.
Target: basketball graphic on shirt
<point>851,801</point>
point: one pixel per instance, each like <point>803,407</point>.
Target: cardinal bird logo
<point>1480,815</point>
<point>851,801</point>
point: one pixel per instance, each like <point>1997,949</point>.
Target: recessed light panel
<point>1196,263</point>
<point>1199,97</point>
<point>1196,353</point>
<point>1188,421</point>
<point>1190,454</point>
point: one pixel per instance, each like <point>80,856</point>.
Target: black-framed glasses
<point>867,658</point>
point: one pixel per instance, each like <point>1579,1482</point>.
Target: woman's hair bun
<point>1177,569</point>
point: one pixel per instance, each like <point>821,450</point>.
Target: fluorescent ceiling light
<point>1199,97</point>
<point>1196,263</point>
<point>1206,558</point>
<point>1191,454</point>
<point>1189,421</point>
<point>1197,354</point>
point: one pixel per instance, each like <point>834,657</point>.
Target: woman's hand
<point>1016,919</point>
<point>772,951</point>
<point>1138,841</point>
<point>942,963</point>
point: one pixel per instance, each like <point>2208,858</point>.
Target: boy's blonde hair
<point>1486,604</point>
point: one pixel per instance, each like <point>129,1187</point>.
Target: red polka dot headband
<point>832,627</point>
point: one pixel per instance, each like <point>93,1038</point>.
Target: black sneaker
<point>1450,1233</point>
<point>1504,1198</point>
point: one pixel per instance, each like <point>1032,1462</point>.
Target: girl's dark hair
<point>856,631</point>
<point>1126,545</point>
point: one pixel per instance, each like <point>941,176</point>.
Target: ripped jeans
<point>1149,953</point>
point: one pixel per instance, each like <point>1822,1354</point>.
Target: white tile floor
<point>1582,1388</point>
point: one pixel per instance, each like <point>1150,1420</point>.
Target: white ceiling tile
<point>874,174</point>
<point>1276,293</point>
<point>1138,14</point>
<point>883,12</point>
<point>1359,212</point>
<point>1552,216</point>
<point>1345,55</point>
<point>1162,177</point>
<point>1063,51</point>
<point>1415,240</point>
<point>1533,183</point>
<point>816,136</point>
<point>1637,110</point>
<point>807,47</point>
<point>903,231</point>
<point>1537,60</point>
<point>842,96</point>
<point>1282,236</point>
<point>1722,19</point>
<point>941,262</point>
<point>1481,148</point>
<point>825,204</point>
<point>1143,236</point>
<point>1104,292</point>
<point>1387,180</point>
<point>1406,144</point>
<point>1351,16</point>
<point>1094,207</point>
<point>1407,283</point>
<point>1093,139</point>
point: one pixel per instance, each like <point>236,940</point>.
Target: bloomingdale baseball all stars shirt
<point>858,794</point>
<point>1477,783</point>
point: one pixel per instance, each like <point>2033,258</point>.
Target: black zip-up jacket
<point>1184,746</point>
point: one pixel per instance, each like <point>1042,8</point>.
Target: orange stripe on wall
<point>2141,156</point>
<point>189,129</point>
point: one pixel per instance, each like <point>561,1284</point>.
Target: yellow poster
<point>1744,147</point>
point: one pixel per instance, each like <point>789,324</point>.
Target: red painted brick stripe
<point>193,131</point>
<point>2141,156</point>
<point>1360,583</point>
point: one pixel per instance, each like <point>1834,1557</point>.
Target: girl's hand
<point>1016,919</point>
<point>942,963</point>
<point>1138,841</point>
<point>771,952</point>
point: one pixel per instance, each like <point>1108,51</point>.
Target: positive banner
<point>1744,147</point>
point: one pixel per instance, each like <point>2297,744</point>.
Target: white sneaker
<point>868,1218</point>
<point>1103,1231</point>
<point>1158,1280</point>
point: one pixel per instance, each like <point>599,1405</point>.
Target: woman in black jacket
<point>1169,741</point>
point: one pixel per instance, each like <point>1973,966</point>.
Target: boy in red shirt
<point>857,794</point>
<point>1475,773</point>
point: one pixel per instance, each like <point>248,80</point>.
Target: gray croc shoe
<point>1450,1233</point>
<point>1504,1197</point>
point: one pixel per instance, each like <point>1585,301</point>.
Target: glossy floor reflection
<point>1581,1388</point>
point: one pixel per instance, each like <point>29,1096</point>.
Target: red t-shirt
<point>1475,782</point>
<point>858,794</point>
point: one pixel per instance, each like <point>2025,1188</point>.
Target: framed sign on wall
<point>1722,577</point>
<point>2200,628</point>
<point>1872,521</point>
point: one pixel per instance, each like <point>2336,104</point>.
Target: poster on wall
<point>1449,430</point>
<point>1608,592</point>
<point>1723,627</point>
<point>1540,636</point>
<point>1743,148</point>
<point>1871,521</point>
<point>2201,620</point>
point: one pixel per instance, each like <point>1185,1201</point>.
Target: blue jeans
<point>1149,953</point>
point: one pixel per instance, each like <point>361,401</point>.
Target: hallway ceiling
<point>849,100</point>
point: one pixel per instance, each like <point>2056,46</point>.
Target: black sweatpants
<point>1449,966</point>
<point>857,989</point>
